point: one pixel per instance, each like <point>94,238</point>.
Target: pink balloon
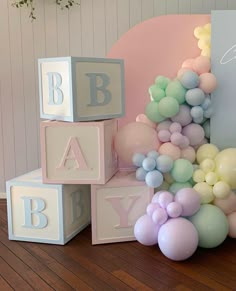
<point>207,82</point>
<point>135,137</point>
<point>227,205</point>
<point>178,239</point>
<point>188,154</point>
<point>194,132</point>
<point>189,199</point>
<point>202,65</point>
<point>232,224</point>
<point>143,118</point>
<point>188,63</point>
<point>170,150</point>
<point>146,231</point>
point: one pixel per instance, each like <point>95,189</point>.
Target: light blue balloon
<point>137,159</point>
<point>152,154</point>
<point>164,163</point>
<point>195,96</point>
<point>189,79</point>
<point>141,174</point>
<point>208,112</point>
<point>206,103</point>
<point>149,164</point>
<point>197,112</point>
<point>154,179</point>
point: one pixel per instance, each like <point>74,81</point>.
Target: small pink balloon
<point>202,65</point>
<point>174,209</point>
<point>170,150</point>
<point>165,198</point>
<point>194,132</point>
<point>188,154</point>
<point>189,199</point>
<point>178,239</point>
<point>151,208</point>
<point>164,135</point>
<point>188,63</point>
<point>183,116</point>
<point>143,118</point>
<point>159,216</point>
<point>135,137</point>
<point>232,224</point>
<point>207,82</point>
<point>146,231</point>
<point>227,205</point>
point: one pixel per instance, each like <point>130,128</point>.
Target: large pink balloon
<point>178,239</point>
<point>135,137</point>
<point>146,231</point>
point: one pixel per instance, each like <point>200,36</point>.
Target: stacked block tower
<point>81,98</point>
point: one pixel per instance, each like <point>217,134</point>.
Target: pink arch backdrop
<point>155,47</point>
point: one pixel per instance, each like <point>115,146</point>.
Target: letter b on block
<point>81,89</point>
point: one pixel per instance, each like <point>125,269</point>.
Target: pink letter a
<point>73,146</point>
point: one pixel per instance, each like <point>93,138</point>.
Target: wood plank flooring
<point>121,266</point>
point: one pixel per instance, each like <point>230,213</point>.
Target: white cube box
<point>81,89</point>
<point>78,152</point>
<point>116,206</point>
<point>44,213</point>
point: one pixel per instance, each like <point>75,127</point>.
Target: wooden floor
<point>121,266</point>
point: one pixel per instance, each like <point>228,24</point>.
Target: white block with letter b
<point>81,89</point>
<point>45,213</point>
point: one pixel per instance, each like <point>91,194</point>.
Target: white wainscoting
<point>86,30</point>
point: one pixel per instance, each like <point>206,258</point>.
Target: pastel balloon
<point>162,82</point>
<point>199,176</point>
<point>164,186</point>
<point>143,118</point>
<point>137,159</point>
<point>226,166</point>
<point>174,209</point>
<point>228,204</point>
<point>176,186</point>
<point>152,112</point>
<point>206,127</point>
<point>168,107</point>
<point>232,224</point>
<point>156,196</point>
<point>206,151</point>
<point>211,179</point>
<point>188,153</point>
<point>207,165</point>
<point>183,116</point>
<point>156,93</point>
<point>178,239</point>
<point>205,191</point>
<point>164,125</point>
<point>202,65</point>
<point>141,174</point>
<point>221,189</point>
<point>195,96</point>
<point>164,135</point>
<point>135,137</point>
<point>170,150</point>
<point>149,164</point>
<point>189,199</point>
<point>176,90</point>
<point>164,163</point>
<point>194,132</point>
<point>151,208</point>
<point>146,231</point>
<point>207,82</point>
<point>211,224</point>
<point>154,179</point>
<point>189,79</point>
<point>182,170</point>
<point>168,178</point>
<point>181,71</point>
<point>159,216</point>
<point>188,63</point>
<point>153,154</point>
<point>175,127</point>
<point>165,198</point>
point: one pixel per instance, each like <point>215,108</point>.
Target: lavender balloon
<point>189,199</point>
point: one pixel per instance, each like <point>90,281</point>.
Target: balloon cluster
<point>203,34</point>
<point>152,166</point>
<point>163,224</point>
<point>209,182</point>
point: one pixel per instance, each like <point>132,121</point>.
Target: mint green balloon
<point>162,82</point>
<point>156,93</point>
<point>168,107</point>
<point>176,186</point>
<point>211,224</point>
<point>182,170</point>
<point>176,90</point>
<point>152,112</point>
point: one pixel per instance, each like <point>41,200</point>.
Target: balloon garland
<point>169,145</point>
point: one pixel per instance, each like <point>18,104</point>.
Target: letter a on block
<point>29,212</point>
<point>123,213</point>
<point>54,87</point>
<point>94,89</point>
<point>73,152</point>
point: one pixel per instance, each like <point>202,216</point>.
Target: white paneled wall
<point>86,30</point>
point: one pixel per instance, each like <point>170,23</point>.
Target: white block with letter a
<point>81,89</point>
<point>46,213</point>
<point>78,152</point>
<point>116,206</point>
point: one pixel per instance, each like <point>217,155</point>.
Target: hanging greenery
<point>30,4</point>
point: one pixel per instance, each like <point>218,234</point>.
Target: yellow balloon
<point>197,31</point>
<point>226,166</point>
<point>207,27</point>
<point>205,192</point>
<point>206,52</point>
<point>207,165</point>
<point>206,151</point>
<point>198,176</point>
<point>221,190</point>
<point>211,178</point>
